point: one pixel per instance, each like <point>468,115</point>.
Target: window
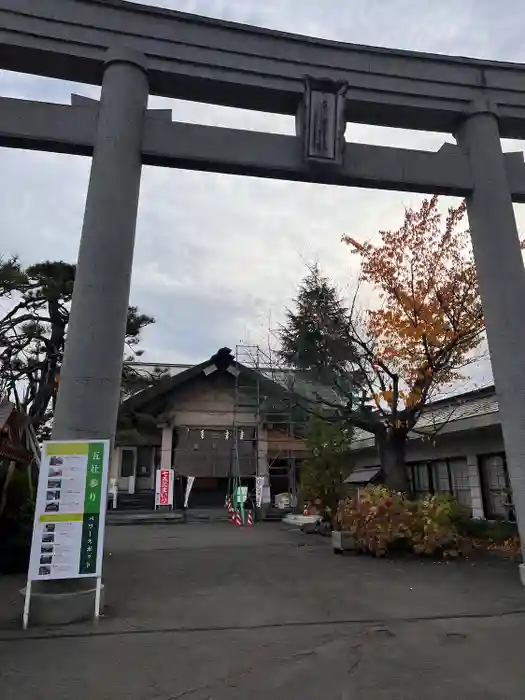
<point>127,462</point>
<point>495,484</point>
<point>144,461</point>
<point>441,476</point>
<point>460,481</point>
<point>157,455</point>
<point>418,477</point>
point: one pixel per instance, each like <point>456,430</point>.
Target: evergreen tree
<point>316,333</point>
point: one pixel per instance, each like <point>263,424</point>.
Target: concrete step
<point>207,514</point>
<point>136,501</point>
<point>116,517</point>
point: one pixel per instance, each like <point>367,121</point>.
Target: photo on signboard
<point>54,472</point>
<point>46,559</point>
<point>52,495</point>
<point>52,507</point>
<point>46,549</point>
<point>44,571</point>
<point>56,461</point>
<point>49,527</point>
<point>48,538</point>
<point>54,483</point>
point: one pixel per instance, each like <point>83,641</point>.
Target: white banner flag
<point>189,484</point>
<point>259,484</point>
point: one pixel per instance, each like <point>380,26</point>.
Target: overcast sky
<point>219,257</point>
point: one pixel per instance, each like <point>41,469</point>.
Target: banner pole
<point>189,486</point>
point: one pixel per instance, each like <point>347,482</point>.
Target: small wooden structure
<point>17,442</point>
<point>18,447</point>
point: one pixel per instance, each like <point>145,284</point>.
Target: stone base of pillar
<point>522,573</point>
<point>63,602</point>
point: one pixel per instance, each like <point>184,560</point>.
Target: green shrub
<point>500,531</point>
<point>474,527</point>
<point>496,531</point>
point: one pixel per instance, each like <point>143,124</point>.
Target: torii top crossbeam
<point>207,60</point>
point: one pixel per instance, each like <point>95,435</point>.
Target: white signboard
<point>164,480</point>
<point>259,484</point>
<point>70,514</point>
<point>70,511</point>
<point>189,484</point>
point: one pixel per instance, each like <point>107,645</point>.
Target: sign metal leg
<point>97,598</point>
<point>27,602</point>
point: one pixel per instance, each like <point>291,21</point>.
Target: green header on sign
<point>94,476</point>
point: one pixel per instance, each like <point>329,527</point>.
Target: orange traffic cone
<point>237,519</point>
<point>249,519</point>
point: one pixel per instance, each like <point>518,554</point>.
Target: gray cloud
<point>218,256</point>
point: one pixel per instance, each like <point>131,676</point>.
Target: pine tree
<point>33,334</point>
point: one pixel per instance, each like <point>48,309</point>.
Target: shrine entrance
<point>133,50</point>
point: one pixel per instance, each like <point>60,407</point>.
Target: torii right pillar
<point>501,277</point>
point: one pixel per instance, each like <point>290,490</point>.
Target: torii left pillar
<point>89,392</point>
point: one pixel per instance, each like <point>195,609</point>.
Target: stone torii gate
<point>133,51</point>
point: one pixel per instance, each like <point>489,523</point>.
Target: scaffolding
<point>259,393</point>
<point>246,415</point>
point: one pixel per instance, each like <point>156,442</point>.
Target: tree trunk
<point>46,386</point>
<point>391,447</point>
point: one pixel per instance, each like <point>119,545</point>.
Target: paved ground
<point>205,611</point>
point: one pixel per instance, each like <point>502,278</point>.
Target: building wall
<point>195,432</point>
<point>208,401</point>
<point>447,445</point>
<point>465,450</point>
<point>210,451</point>
<point>208,404</point>
<point>279,442</point>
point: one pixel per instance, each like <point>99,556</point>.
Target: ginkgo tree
<point>425,329</point>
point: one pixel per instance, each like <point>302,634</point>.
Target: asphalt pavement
<point>208,611</point>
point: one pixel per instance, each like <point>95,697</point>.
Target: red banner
<point>164,494</point>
